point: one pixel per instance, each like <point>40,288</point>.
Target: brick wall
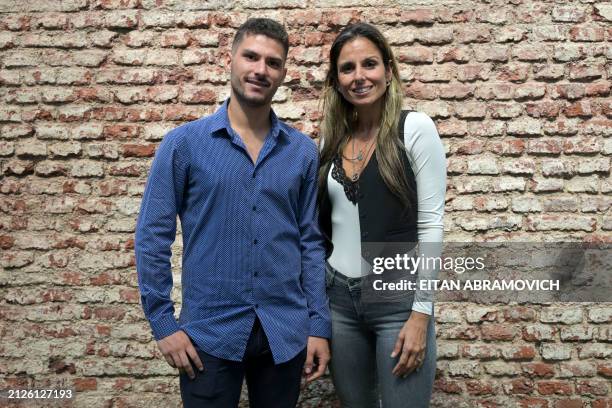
<point>520,92</point>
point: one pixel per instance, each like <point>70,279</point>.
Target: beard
<point>255,101</point>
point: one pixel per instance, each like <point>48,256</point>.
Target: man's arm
<point>155,233</point>
<point>313,255</point>
<point>313,273</point>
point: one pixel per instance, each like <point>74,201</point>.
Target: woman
<point>382,181</point>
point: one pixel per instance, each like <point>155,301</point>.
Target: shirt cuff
<point>164,326</point>
<point>423,307</point>
<point>320,328</point>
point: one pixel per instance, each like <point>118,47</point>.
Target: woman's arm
<point>428,161</point>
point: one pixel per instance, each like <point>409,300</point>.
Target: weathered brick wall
<point>520,91</point>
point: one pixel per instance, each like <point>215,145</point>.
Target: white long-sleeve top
<point>427,159</point>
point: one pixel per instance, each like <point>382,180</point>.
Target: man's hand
<point>411,342</point>
<point>177,350</point>
<point>317,354</point>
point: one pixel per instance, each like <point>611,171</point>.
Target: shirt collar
<point>221,122</point>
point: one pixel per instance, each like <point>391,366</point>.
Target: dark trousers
<point>269,385</point>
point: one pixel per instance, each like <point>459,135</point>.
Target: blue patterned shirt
<point>251,242</point>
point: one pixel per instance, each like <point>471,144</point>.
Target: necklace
<point>360,157</point>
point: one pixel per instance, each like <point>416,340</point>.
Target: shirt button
<point>256,306</point>
<point>253,175</point>
<point>364,234</point>
<point>255,274</point>
<point>255,242</point>
<point>254,208</point>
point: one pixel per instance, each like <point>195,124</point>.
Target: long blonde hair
<point>340,118</point>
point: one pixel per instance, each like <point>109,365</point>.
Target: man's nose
<point>260,67</point>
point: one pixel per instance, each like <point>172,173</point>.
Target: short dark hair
<point>263,26</point>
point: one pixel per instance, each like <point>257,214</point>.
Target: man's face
<point>257,69</point>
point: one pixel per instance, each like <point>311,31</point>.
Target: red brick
<point>472,146</point>
<point>569,403</point>
<point>466,34</point>
<point>59,366</point>
<point>104,279</point>
<point>475,387</point>
<point>419,90</point>
<point>454,54</point>
<point>473,72</point>
<point>509,147</point>
<point>520,386</point>
<point>85,384</point>
<point>569,91</point>
<point>447,386</point>
<point>554,388</point>
<point>498,332</point>
<point>513,72</point>
<point>533,403</point>
<point>113,313</point>
<point>585,145</point>
<point>417,16</point>
<point>198,95</point>
<point>545,146</point>
<point>586,33</point>
<point>479,351</point>
<point>130,295</point>
<point>455,91</point>
<point>597,89</point>
<point>592,387</point>
<point>451,127</point>
<point>602,403</point>
<point>605,370</point>
<point>539,370</point>
<point>180,113</point>
<point>543,109</point>
<point>520,353</point>
<point>139,150</point>
<point>518,314</point>
<point>6,241</point>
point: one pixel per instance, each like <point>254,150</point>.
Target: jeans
<point>269,385</point>
<point>363,337</point>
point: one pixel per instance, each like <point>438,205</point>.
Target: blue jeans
<point>363,337</point>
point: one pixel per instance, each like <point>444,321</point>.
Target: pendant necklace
<point>360,158</point>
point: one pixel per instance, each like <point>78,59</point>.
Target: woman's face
<point>362,76</point>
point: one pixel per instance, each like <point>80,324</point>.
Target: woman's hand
<point>411,343</point>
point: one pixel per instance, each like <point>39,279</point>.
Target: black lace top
<point>351,188</point>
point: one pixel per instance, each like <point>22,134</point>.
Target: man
<point>244,186</point>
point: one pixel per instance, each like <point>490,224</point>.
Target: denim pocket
<point>205,384</point>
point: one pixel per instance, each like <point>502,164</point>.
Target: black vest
<point>382,217</point>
